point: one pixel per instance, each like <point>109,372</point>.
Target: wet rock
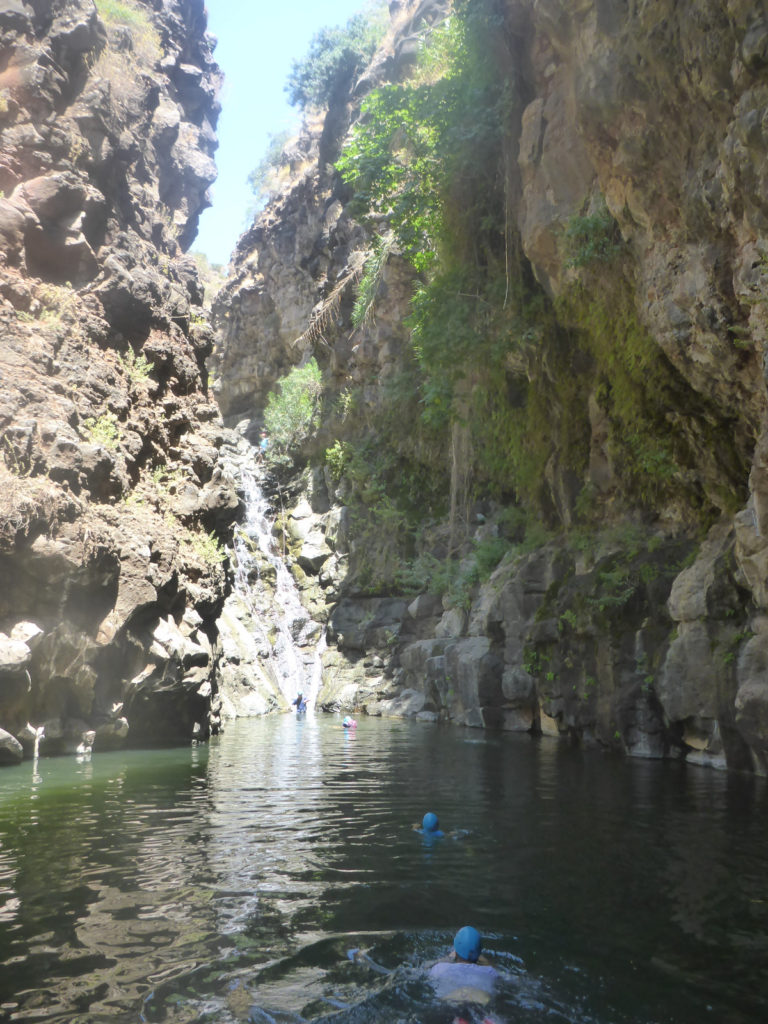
<point>314,552</point>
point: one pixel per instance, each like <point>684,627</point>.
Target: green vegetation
<point>634,385</point>
<point>501,389</point>
<point>167,481</point>
<point>594,238</point>
<point>206,547</point>
<point>367,290</point>
<point>136,367</point>
<point>122,12</point>
<point>293,408</point>
<point>120,67</point>
<point>337,457</point>
<point>103,430</point>
<point>453,579</point>
<point>731,653</point>
<point>16,458</point>
<point>335,57</point>
<point>55,302</point>
<point>426,158</point>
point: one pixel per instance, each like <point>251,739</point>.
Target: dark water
<point>229,883</point>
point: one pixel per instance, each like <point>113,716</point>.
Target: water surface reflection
<point>229,882</point>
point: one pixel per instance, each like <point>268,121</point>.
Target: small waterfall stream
<point>272,647</point>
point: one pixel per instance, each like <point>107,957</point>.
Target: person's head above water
<point>467,943</point>
<point>429,822</point>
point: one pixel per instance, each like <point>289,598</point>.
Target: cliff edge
<point>112,498</point>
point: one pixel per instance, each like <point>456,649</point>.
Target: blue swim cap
<point>429,822</point>
<point>468,943</point>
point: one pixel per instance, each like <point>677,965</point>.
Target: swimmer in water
<point>464,976</point>
<point>429,827</point>
<point>349,723</point>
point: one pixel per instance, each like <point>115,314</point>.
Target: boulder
<point>15,656</point>
<point>314,552</point>
<point>27,632</point>
<point>424,606</point>
<point>14,223</point>
<point>11,751</point>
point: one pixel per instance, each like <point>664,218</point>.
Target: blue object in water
<point>429,822</point>
<point>468,943</point>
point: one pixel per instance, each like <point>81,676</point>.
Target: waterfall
<point>39,734</point>
<point>276,634</point>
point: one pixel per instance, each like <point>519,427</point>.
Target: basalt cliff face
<point>622,411</point>
<point>112,493</point>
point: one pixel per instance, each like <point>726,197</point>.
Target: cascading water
<point>272,647</point>
<point>294,640</point>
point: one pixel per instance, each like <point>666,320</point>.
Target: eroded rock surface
<point>112,495</point>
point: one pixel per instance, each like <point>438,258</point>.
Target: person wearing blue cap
<point>430,826</point>
<point>462,976</point>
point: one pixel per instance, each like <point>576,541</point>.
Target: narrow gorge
<point>504,315</point>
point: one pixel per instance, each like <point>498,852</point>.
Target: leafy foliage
<point>393,163</point>
<point>293,408</point>
<point>594,238</point>
<point>425,154</point>
<point>206,547</point>
<point>362,311</point>
<point>121,12</point>
<point>137,367</point>
<point>426,157</point>
<point>103,430</point>
<point>334,57</point>
<point>635,385</point>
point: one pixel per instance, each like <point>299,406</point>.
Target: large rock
<point>11,751</point>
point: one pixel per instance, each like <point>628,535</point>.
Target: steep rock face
<point>648,640</point>
<point>656,107</point>
<point>111,484</point>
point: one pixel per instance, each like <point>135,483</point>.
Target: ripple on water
<point>229,883</point>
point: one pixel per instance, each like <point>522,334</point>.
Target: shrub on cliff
<point>127,14</point>
<point>592,238</point>
<point>293,407</point>
<point>426,159</point>
<point>334,57</point>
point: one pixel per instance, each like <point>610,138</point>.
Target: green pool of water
<point>230,882</point>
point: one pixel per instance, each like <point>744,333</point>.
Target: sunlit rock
<point>11,751</point>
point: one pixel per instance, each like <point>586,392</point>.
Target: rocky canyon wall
<point>610,588</point>
<point>112,498</point>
